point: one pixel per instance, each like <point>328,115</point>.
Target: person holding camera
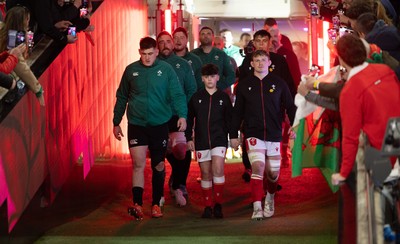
<point>17,19</point>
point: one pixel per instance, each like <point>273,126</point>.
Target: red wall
<point>80,88</point>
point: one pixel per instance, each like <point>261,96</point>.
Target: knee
<point>158,167</point>
<point>273,176</point>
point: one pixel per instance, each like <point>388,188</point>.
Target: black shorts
<point>156,137</point>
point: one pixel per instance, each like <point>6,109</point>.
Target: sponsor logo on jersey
<point>216,57</point>
<point>178,66</point>
<point>221,102</point>
<point>133,142</point>
<point>159,73</point>
<point>253,141</point>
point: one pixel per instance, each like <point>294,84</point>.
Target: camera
<point>336,22</point>
<point>15,38</point>
<point>314,9</point>
<point>72,31</point>
<point>249,48</point>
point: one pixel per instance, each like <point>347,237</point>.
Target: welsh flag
<point>317,142</point>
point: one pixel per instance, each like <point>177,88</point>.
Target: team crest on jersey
<point>273,87</point>
<point>190,62</point>
<point>271,67</point>
<point>250,88</point>
<point>276,148</point>
<point>221,102</point>
<point>159,73</point>
<point>199,100</point>
<point>164,143</point>
<point>135,74</point>
<point>178,66</point>
<point>253,141</point>
<point>133,142</point>
<point>216,57</point>
<point>199,155</point>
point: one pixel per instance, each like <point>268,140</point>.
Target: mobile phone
<point>332,34</point>
<point>314,9</point>
<point>83,12</point>
<point>72,31</point>
<point>15,38</point>
<point>344,31</point>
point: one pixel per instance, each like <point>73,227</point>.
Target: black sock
<point>137,193</point>
<point>157,181</point>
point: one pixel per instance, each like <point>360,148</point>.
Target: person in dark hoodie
<point>376,31</point>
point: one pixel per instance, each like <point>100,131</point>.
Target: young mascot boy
<point>211,109</point>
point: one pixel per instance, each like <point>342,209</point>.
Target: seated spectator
<point>17,18</point>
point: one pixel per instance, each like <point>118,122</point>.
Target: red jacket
<point>7,62</point>
<point>367,101</point>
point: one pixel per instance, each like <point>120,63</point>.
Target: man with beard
<point>209,54</point>
<point>177,154</point>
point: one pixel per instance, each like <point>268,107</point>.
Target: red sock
<point>207,195</point>
<point>256,189</point>
<point>218,191</point>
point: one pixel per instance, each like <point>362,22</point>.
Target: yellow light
<point>168,20</point>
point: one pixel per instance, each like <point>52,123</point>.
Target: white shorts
<point>271,148</point>
<point>205,155</point>
<point>175,138</point>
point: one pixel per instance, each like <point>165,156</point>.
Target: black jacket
<point>260,104</point>
<point>212,116</point>
<point>279,67</point>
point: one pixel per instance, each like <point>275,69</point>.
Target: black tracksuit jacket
<point>261,104</point>
<point>211,117</point>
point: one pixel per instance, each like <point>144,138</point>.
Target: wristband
<point>316,85</point>
<point>39,93</point>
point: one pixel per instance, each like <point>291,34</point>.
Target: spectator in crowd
<point>300,48</point>
<point>149,88</point>
<point>260,101</point>
<point>211,109</point>
<point>376,31</point>
<point>177,154</point>
<point>181,40</point>
<point>271,23</point>
<point>230,49</point>
<point>371,89</point>
<point>209,54</point>
<point>54,22</point>
<point>17,18</point>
